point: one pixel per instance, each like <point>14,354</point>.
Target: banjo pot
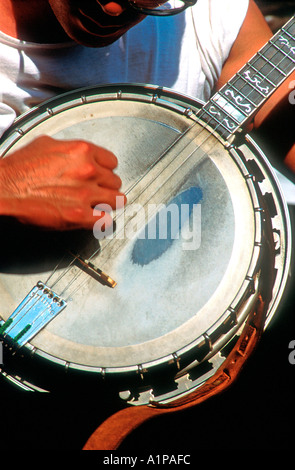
<point>153,315</point>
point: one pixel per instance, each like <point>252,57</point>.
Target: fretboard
<point>237,101</point>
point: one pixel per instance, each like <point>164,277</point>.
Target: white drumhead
<point>162,302</point>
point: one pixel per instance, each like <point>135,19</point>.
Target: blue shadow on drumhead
<point>165,227</point>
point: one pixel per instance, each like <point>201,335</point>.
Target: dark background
<point>256,413</point>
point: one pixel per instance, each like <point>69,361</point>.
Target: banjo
<point>198,260</point>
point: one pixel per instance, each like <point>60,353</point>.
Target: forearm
<point>290,159</point>
<point>275,120</point>
<point>8,204</point>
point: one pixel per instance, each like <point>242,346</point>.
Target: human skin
<point>90,23</point>
<point>56,184</point>
<point>93,23</point>
<point>58,188</point>
<point>275,120</point>
<point>30,190</point>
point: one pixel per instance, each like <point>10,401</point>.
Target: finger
<point>108,179</point>
<point>106,197</point>
<point>98,220</point>
<point>102,224</point>
<point>104,157</point>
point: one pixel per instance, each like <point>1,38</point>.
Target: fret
<point>287,32</point>
<point>224,106</point>
<point>277,58</point>
<point>288,43</point>
<point>248,88</point>
<point>218,120</point>
<point>288,53</point>
<point>259,61</point>
<point>241,97</point>
<point>272,73</point>
<point>258,81</point>
<point>290,26</point>
<point>236,104</point>
<point>251,97</point>
<point>237,90</point>
<point>273,41</point>
<point>266,72</point>
<point>256,91</point>
<point>285,55</point>
<point>232,104</point>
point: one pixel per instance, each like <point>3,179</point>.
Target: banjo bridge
<point>94,272</point>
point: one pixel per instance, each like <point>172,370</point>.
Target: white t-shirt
<point>185,52</point>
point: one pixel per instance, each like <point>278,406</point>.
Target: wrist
<point>8,203</point>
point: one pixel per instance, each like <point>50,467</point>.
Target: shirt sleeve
<point>7,117</point>
<point>217,24</point>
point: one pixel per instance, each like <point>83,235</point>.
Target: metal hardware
<point>37,309</point>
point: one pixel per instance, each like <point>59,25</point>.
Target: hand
<point>55,184</point>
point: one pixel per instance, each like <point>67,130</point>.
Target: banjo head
<point>183,290</point>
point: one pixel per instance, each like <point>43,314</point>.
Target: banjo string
<point>127,192</point>
<point>204,130</point>
<point>204,126</point>
<point>70,265</point>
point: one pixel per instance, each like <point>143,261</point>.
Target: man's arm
<point>56,184</point>
<point>274,122</point>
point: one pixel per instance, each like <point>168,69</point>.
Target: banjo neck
<point>239,99</point>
